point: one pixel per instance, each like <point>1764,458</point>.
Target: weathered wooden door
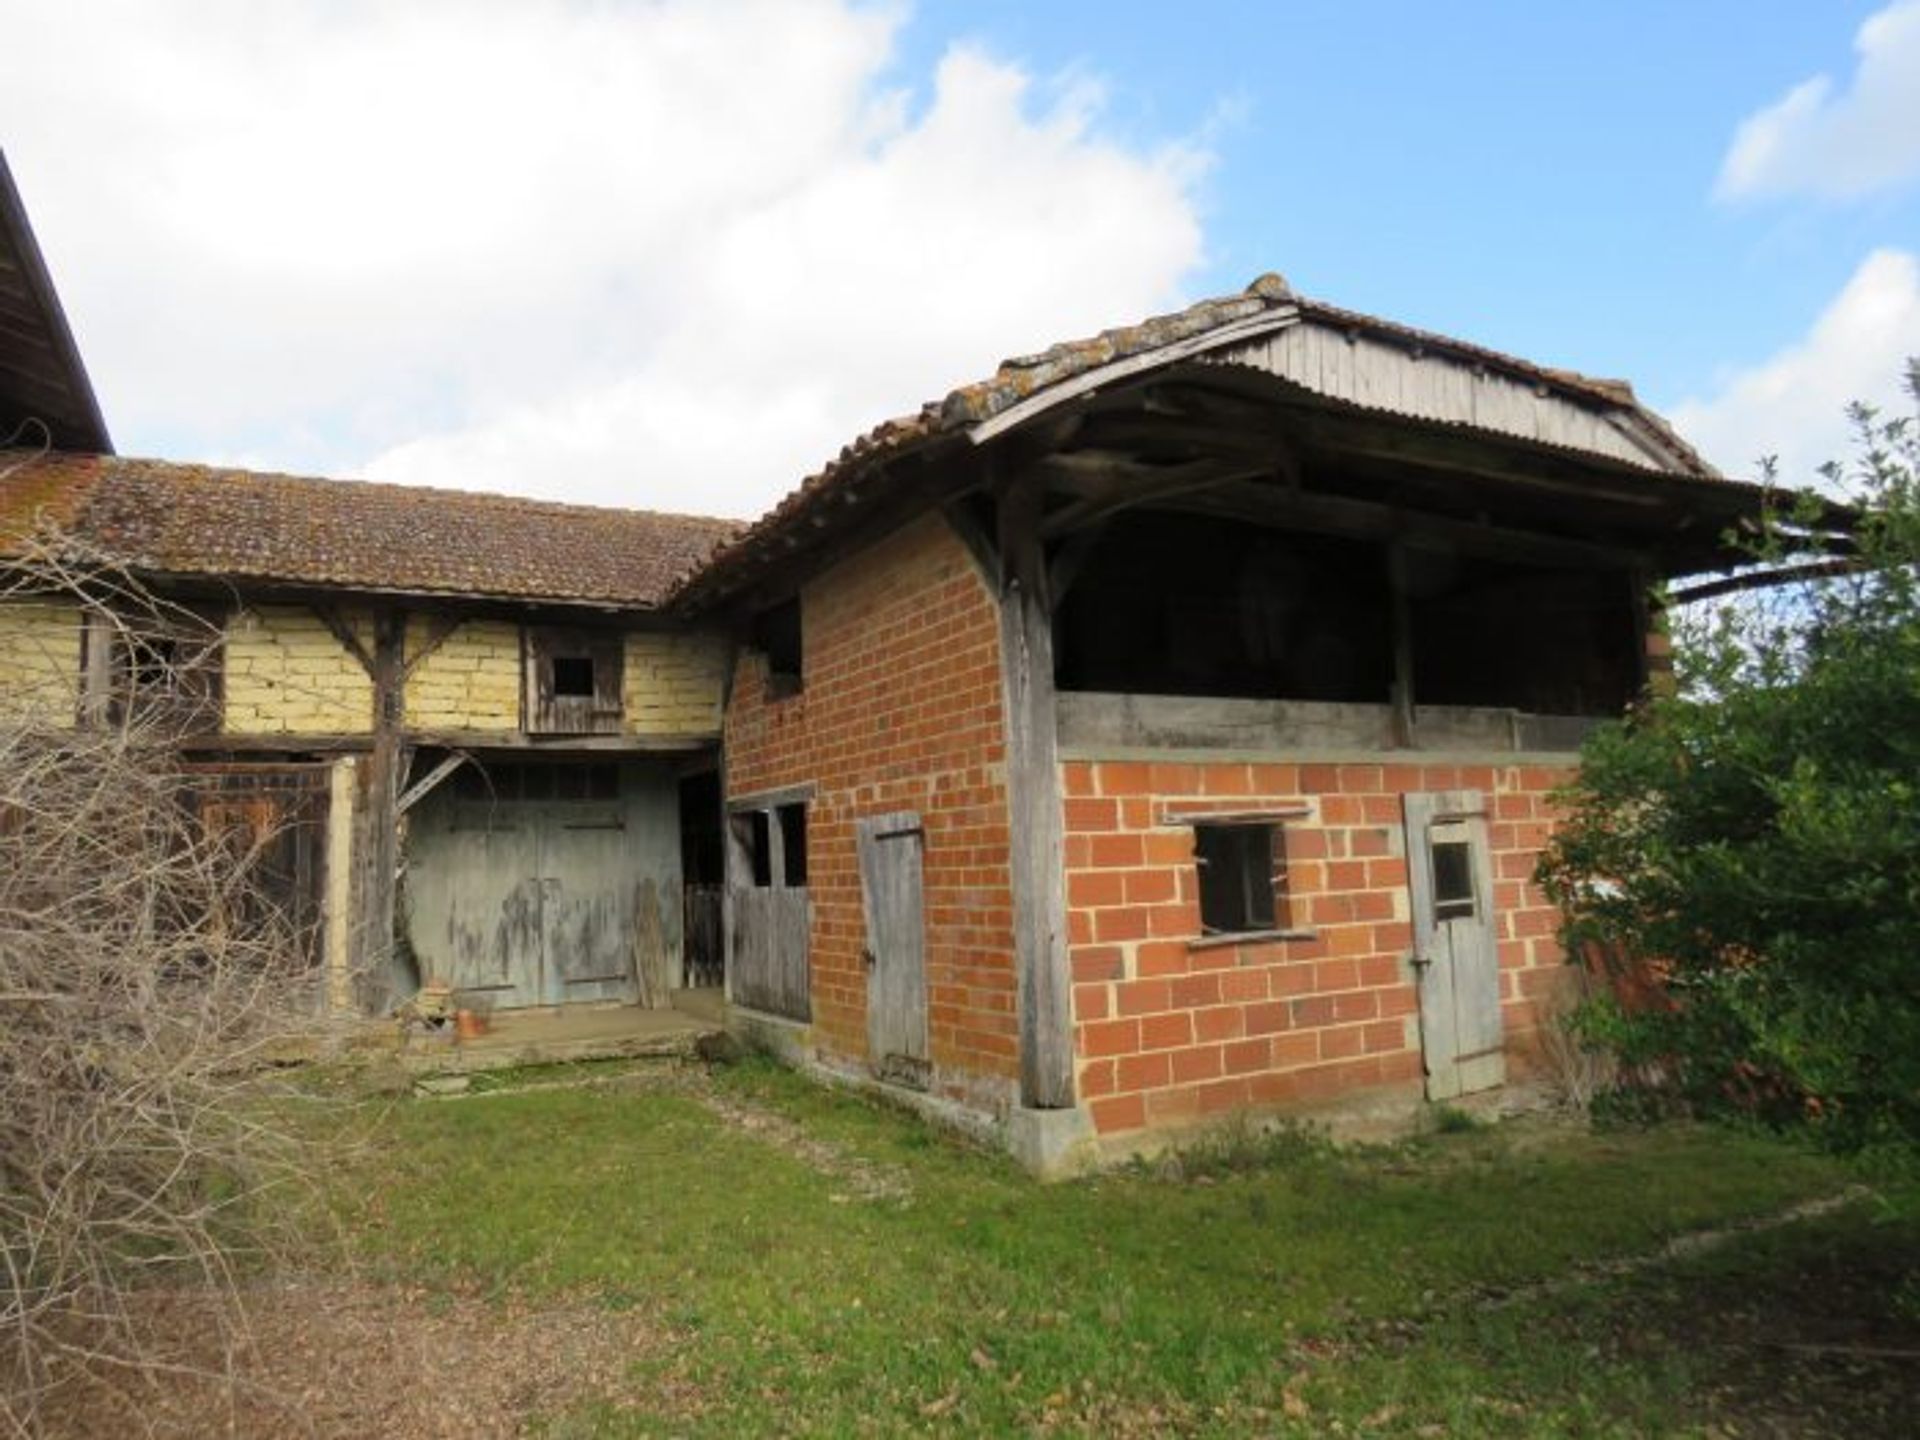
<point>768,917</point>
<point>890,896</point>
<point>590,940</point>
<point>491,905</point>
<point>1455,942</point>
<point>524,886</point>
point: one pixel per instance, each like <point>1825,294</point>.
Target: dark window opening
<point>793,844</point>
<point>153,662</point>
<point>776,634</point>
<point>574,679</point>
<point>1173,604</point>
<point>573,675</point>
<point>1522,637</point>
<point>753,838</point>
<point>167,671</point>
<point>1452,880</point>
<point>702,853</point>
<point>1241,891</point>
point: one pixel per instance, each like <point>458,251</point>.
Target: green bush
<point>1743,857</point>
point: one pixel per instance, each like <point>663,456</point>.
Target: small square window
<point>573,675</point>
<point>1242,891</point>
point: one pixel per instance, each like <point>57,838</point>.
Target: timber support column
<point>377,979</point>
<point>1033,800</point>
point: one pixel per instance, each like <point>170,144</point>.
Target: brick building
<point>1163,727</point>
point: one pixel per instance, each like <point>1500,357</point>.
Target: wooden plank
<point>1434,976</point>
<point>1264,323</point>
<point>380,978</point>
<point>890,852</point>
<point>1034,805</point>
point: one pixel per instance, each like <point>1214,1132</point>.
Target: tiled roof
<point>285,529</point>
<point>1025,376</point>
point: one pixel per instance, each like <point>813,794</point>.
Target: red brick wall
<point>1168,1032</point>
<point>901,710</point>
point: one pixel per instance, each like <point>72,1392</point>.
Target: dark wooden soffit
<point>41,375</point>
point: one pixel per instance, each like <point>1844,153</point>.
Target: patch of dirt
<point>863,1179</point>
<point>333,1361</point>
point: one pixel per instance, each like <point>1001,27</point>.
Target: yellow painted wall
<point>470,682</point>
<point>672,684</point>
<point>286,674</point>
<point>40,660</point>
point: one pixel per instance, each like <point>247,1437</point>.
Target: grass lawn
<point>817,1263</point>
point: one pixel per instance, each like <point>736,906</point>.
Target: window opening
<point>1452,880</point>
<point>752,832</point>
<point>573,675</point>
<point>776,634</point>
<point>1241,891</point>
<point>793,844</point>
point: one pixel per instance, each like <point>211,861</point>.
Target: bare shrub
<point>144,982</point>
<point>1574,1066</point>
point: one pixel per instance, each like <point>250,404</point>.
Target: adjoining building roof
<point>1494,393</point>
<point>197,520</point>
<point>41,376</point>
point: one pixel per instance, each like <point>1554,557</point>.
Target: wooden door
<point>1455,942</point>
<point>890,896</point>
<point>768,917</point>
<point>589,925</point>
<point>493,906</point>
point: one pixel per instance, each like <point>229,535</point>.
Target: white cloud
<point>1793,405</point>
<point>670,254</point>
<point>1815,140</point>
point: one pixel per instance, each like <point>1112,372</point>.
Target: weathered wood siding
<point>550,901</point>
<point>1388,375</point>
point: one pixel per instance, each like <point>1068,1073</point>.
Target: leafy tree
<point>1742,857</point>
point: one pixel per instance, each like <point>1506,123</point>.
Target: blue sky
<point>1536,176</point>
<point>677,252</point>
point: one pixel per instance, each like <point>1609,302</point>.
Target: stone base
<point>1053,1144</point>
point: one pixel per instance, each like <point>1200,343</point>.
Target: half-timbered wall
<point>899,710</point>
<point>40,660</point>
<point>286,673</point>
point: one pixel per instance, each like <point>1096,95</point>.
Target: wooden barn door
<point>1455,942</point>
<point>890,896</point>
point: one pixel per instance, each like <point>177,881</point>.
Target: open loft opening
<point>1178,604</point>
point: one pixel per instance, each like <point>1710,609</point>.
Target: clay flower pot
<point>469,1024</point>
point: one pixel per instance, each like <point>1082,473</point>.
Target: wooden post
<point>376,818</point>
<point>1402,693</point>
<point>1034,804</point>
<point>341,788</point>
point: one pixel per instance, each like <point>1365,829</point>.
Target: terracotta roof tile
<point>286,529</point>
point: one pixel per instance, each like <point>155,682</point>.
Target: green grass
<point>1264,1285</point>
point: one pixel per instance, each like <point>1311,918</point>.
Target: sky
<point>675,255</point>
